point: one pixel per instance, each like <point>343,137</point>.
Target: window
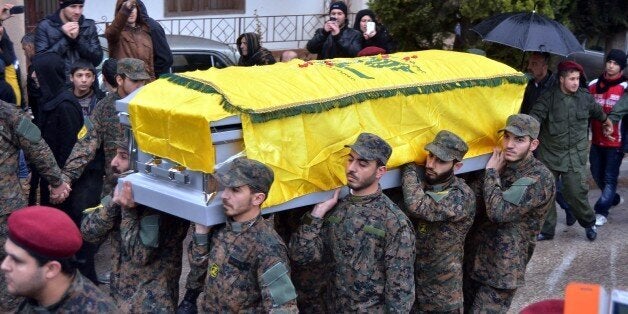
<point>202,7</point>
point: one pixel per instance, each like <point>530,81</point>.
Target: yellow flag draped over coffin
<point>297,116</point>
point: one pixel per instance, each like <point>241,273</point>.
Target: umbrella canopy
<point>529,31</point>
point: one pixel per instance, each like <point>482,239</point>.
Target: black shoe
<point>591,233</point>
<point>544,237</point>
<point>569,218</point>
<point>187,307</point>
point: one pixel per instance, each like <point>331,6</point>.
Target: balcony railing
<point>289,29</point>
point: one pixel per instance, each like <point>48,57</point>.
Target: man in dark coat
<point>335,39</point>
<point>162,55</point>
<point>68,33</point>
<point>60,114</point>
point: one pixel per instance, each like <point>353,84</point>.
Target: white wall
<point>102,10</point>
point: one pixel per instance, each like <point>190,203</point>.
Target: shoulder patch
<point>515,193</point>
<point>437,196</point>
<point>277,280</point>
<point>27,129</point>
<point>149,230</point>
<point>375,231</point>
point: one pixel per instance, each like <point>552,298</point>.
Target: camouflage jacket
<point>82,297</point>
<point>18,132</point>
<point>146,247</point>
<point>247,269</point>
<point>516,203</point>
<point>442,215</point>
<point>369,244</point>
<point>100,130</point>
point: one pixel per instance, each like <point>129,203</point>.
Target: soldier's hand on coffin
<point>60,193</point>
<point>321,209</point>
<point>418,169</point>
<point>497,160</point>
<point>123,195</point>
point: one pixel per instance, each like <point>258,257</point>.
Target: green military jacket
<point>564,141</point>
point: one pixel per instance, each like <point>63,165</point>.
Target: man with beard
<point>335,39</point>
<point>246,260</point>
<point>103,128</point>
<point>442,207</point>
<point>564,114</point>
<point>68,33</point>
<point>606,152</point>
<point>145,244</point>
<point>364,239</point>
<point>517,192</point>
<point>39,264</point>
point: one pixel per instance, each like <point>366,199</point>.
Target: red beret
<point>44,230</point>
<point>570,65</point>
<point>371,51</point>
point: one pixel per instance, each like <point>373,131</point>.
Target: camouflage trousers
<point>483,298</point>
<point>8,303</point>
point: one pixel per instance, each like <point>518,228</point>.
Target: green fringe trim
<point>203,87</point>
<point>346,100</point>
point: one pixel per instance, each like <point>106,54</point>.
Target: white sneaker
<point>600,220</point>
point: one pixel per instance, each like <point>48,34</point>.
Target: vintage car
<point>297,118</point>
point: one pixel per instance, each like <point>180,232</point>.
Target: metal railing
<point>274,29</point>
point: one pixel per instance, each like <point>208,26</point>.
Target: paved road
<point>569,257</point>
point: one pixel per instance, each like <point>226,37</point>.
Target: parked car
<point>193,53</point>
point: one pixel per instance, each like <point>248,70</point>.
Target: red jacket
<point>607,93</point>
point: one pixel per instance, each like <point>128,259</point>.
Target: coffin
<point>296,117</point>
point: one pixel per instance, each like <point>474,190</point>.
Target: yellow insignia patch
<point>81,134</point>
<point>213,270</point>
<point>92,209</point>
<point>422,228</point>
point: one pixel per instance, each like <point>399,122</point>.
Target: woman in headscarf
<point>379,37</point>
<point>251,51</point>
<point>60,115</point>
<point>129,36</point>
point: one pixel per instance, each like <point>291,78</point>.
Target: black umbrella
<point>529,31</point>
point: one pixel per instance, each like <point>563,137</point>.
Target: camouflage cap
<point>122,142</point>
<point>372,147</point>
<point>134,69</point>
<point>244,171</point>
<point>522,125</point>
<point>447,146</point>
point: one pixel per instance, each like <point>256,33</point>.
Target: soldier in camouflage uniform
<point>146,246</point>
<point>246,261</point>
<point>365,239</point>
<point>518,191</point>
<point>103,128</point>
<point>40,264</point>
<point>442,207</point>
<point>18,132</point>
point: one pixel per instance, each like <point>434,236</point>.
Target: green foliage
<point>600,18</point>
<point>417,24</point>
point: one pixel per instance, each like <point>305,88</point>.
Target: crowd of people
<point>448,244</point>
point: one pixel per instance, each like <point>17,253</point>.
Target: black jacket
<point>60,115</point>
<point>382,38</point>
<point>533,91</point>
<point>346,44</point>
<point>50,38</point>
<point>162,56</point>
